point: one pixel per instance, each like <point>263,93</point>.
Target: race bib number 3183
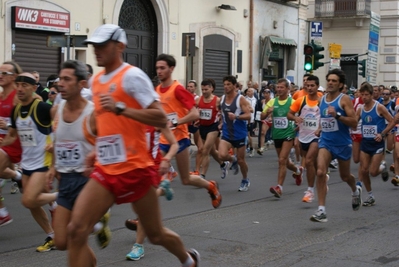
<point>110,149</point>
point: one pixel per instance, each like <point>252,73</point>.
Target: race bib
<point>69,154</point>
<point>280,122</point>
<point>329,124</point>
<point>173,118</point>
<point>7,121</point>
<point>110,149</point>
<point>27,137</point>
<point>257,115</point>
<point>205,114</point>
<point>310,124</point>
<point>369,131</point>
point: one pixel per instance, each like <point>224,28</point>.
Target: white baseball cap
<point>321,89</point>
<point>105,33</point>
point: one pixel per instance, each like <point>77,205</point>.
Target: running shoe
<point>333,164</point>
<point>244,185</point>
<point>195,173</point>
<point>327,179</point>
<point>5,220</point>
<point>357,199</point>
<point>360,184</point>
<point>165,185</point>
<point>225,169</point>
<point>234,166</point>
<point>47,246</point>
<point>298,177</point>
<point>104,235</point>
<point>260,151</point>
<point>19,183</point>
<point>214,193</point>
<point>276,191</point>
<point>136,253</point>
<point>195,256</point>
<point>319,216</point>
<point>370,201</point>
<point>131,224</point>
<point>2,182</point>
<point>14,188</point>
<point>308,197</point>
<point>251,153</point>
<point>384,172</point>
<point>395,181</point>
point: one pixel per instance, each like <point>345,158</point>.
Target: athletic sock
<point>189,262</point>
<point>322,208</point>
<point>18,176</point>
<point>51,235</point>
<point>97,227</point>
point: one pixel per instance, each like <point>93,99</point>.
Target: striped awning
<point>282,41</point>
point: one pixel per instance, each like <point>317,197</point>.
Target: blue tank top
<point>233,129</point>
<point>333,130</point>
<point>372,122</point>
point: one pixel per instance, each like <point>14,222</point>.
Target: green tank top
<point>282,127</point>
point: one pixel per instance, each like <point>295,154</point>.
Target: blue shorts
<point>305,146</point>
<point>192,129</point>
<point>372,147</point>
<point>183,144</point>
<point>337,152</point>
<point>69,188</point>
<point>30,172</point>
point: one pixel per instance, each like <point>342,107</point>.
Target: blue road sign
<point>316,29</point>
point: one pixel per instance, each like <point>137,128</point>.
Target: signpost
<point>372,57</point>
<point>316,31</point>
<point>335,55</point>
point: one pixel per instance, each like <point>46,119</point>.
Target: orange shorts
<point>127,187</point>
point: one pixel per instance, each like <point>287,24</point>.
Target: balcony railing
<point>341,8</point>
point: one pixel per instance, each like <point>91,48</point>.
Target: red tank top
<point>208,111</point>
<point>6,107</point>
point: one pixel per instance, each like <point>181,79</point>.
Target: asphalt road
<point>249,229</point>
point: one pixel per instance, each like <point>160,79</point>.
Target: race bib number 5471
<point>110,149</point>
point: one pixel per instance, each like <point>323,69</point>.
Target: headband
<point>25,79</point>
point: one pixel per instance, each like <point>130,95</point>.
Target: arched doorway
<point>138,19</point>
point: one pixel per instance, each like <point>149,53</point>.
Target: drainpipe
<point>251,36</point>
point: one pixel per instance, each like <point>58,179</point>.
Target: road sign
<point>335,50</point>
<point>316,30</point>
<point>372,56</point>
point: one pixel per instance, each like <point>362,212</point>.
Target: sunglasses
<point>4,73</point>
<point>52,93</point>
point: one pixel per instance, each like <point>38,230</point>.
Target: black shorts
<point>278,143</point>
<point>235,143</point>
<point>251,127</point>
<point>69,188</point>
<point>30,172</point>
<point>204,130</point>
<point>305,146</point>
<point>192,129</point>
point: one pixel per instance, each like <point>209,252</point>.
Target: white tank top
<point>71,145</point>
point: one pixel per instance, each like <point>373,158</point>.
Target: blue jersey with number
<point>233,129</point>
<point>372,122</point>
<point>333,130</point>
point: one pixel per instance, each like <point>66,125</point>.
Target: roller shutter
<point>32,53</point>
<point>217,66</point>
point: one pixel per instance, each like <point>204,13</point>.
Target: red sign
<point>38,19</point>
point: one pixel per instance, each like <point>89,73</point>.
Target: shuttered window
<point>32,53</point>
<point>217,66</point>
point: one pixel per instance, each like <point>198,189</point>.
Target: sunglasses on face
<point>52,93</point>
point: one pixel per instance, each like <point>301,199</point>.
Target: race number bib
<point>329,125</point>
<point>110,149</point>
<point>310,124</point>
<point>27,137</point>
<point>69,154</point>
<point>7,121</point>
<point>172,117</point>
<point>280,122</point>
<point>205,114</point>
<point>257,115</point>
<point>369,131</point>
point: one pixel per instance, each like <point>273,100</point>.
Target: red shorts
<point>356,137</point>
<point>267,122</point>
<point>14,154</point>
<point>127,187</point>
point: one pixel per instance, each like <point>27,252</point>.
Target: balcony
<point>342,8</point>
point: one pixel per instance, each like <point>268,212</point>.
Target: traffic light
<point>308,52</point>
<point>317,56</point>
<point>362,68</point>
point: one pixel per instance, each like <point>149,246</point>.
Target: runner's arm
<point>350,118</point>
<point>9,138</point>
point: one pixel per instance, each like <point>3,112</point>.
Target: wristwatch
<point>120,107</point>
<point>338,115</point>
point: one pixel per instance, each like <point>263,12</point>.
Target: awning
<point>282,41</point>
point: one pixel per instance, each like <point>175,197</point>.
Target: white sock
<point>97,227</point>
<point>322,209</point>
<point>3,212</point>
<point>189,262</point>
<point>53,205</point>
<point>281,187</point>
<point>18,176</point>
<point>311,189</point>
<point>51,235</point>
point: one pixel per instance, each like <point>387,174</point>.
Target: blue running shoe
<point>136,253</point>
<point>165,185</point>
<point>244,185</point>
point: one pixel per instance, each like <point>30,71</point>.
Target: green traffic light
<point>308,66</point>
